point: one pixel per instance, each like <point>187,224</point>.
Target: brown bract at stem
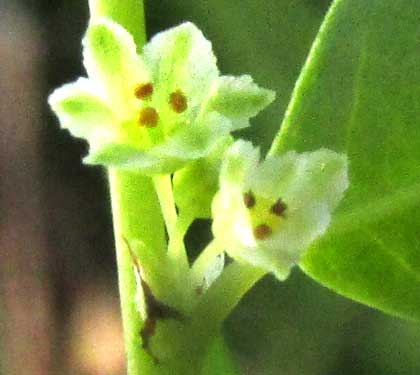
<point>155,309</point>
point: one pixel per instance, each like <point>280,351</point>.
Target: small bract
<point>267,213</point>
<point>155,111</point>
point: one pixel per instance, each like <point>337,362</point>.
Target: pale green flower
<point>267,213</point>
<point>155,111</point>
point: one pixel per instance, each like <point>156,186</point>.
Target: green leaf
<point>359,94</point>
<point>83,112</point>
<point>239,98</point>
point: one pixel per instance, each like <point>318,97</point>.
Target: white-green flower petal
<point>181,59</point>
<point>119,155</point>
<point>129,156</point>
<point>83,112</point>
<point>111,61</point>
<point>240,160</point>
<point>318,170</point>
<point>190,143</point>
<point>239,99</point>
<point>196,140</point>
<point>293,197</point>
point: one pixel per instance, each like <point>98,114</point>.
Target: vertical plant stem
<point>174,224</point>
<point>128,13</point>
<point>176,248</point>
<point>136,214</point>
<point>163,186</point>
<point>135,207</point>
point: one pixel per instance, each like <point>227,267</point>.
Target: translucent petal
<point>239,99</point>
<point>111,61</point>
<point>196,140</point>
<point>181,59</point>
<point>322,178</point>
<point>240,160</point>
<point>213,270</point>
<point>190,143</point>
<point>284,249</point>
<point>83,112</point>
<point>120,155</point>
<point>231,225</point>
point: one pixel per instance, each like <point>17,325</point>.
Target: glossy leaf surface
<point>359,94</point>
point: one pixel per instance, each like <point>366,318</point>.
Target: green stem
<point>136,214</point>
<point>135,208</point>
<point>224,294</point>
<point>176,226</point>
<point>163,186</point>
<point>176,249</point>
<point>191,341</point>
<point>128,13</point>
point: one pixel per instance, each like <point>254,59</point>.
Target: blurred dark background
<point>59,308</point>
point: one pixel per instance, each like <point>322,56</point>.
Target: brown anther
<point>148,117</point>
<point>278,208</point>
<point>143,91</point>
<point>262,231</point>
<point>178,101</point>
<point>249,199</point>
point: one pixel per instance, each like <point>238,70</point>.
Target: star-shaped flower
<point>268,213</point>
<point>156,111</point>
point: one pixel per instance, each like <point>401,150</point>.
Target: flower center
<point>265,215</point>
<point>148,116</point>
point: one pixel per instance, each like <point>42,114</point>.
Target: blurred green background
<point>58,290</point>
